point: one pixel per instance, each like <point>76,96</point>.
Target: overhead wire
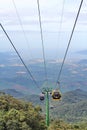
<point>22,26</point>
<point>59,33</point>
<point>61,20</point>
<point>60,26</point>
<point>29,72</point>
<point>69,42</point>
<point>20,22</point>
<point>41,32</point>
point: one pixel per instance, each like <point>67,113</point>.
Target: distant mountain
<point>74,96</point>
<point>72,107</point>
<point>84,52</point>
<point>83,61</point>
<point>68,97</point>
<point>7,58</point>
<point>2,93</point>
<point>13,73</point>
<point>33,98</point>
<point>12,92</point>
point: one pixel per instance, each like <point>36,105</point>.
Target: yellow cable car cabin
<point>56,95</point>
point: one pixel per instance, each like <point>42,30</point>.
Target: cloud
<point>16,65</point>
<point>50,15</point>
<point>21,72</point>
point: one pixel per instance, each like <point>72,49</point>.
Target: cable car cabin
<point>56,95</point>
<point>51,107</point>
<point>42,97</point>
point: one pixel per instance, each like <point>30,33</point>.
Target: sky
<point>21,22</point>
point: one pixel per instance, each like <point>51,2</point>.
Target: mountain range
<point>13,75</point>
<point>72,107</point>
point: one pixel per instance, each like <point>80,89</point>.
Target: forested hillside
<point>20,115</point>
<point>72,107</point>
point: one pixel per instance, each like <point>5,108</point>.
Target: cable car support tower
<point>46,92</point>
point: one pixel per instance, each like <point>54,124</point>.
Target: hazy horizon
<point>21,22</point>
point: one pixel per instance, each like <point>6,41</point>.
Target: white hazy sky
<point>55,35</point>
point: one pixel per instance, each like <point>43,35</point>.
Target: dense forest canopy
<point>20,115</point>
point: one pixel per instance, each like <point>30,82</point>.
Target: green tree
<point>19,115</point>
